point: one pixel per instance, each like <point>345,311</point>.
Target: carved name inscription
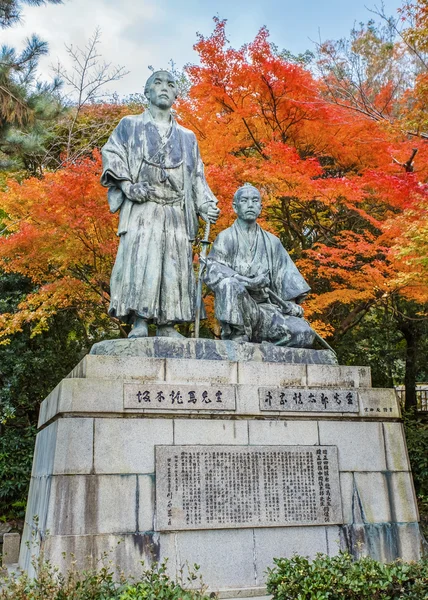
<point>163,396</point>
<point>216,487</point>
<point>308,400</point>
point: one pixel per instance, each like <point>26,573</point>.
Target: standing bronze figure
<point>155,176</point>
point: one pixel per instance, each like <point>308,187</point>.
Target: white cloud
<point>134,35</point>
<point>139,33</point>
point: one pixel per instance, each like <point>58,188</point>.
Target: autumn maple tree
<point>342,189</point>
<point>63,240</point>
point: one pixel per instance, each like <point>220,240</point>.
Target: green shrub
<point>342,578</point>
<point>101,584</point>
<point>417,443</point>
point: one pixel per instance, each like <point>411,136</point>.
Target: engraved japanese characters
<point>216,487</point>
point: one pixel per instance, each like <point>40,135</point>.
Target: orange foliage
<point>332,174</point>
<point>332,184</point>
<point>61,236</point>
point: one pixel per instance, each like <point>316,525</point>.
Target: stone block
<point>63,550</point>
<point>282,542</point>
<point>247,400</point>
<point>323,401</point>
<point>72,505</point>
<point>74,446</point>
<point>206,431</point>
<point>116,504</point>
<point>167,546</point>
<point>29,550</point>
<point>50,405</point>
<point>258,593</point>
<point>288,433</point>
<point>335,376</point>
<point>372,490</point>
<point>253,373</point>
<point>145,503</point>
<point>378,540</point>
<point>92,504</point>
<point>95,395</point>
<point>206,349</point>
<point>360,445</point>
<point>379,403</point>
<point>127,445</point>
<point>119,367</point>
<point>128,551</point>
<point>231,568</point>
<point>215,487</point>
<point>44,451</point>
<point>124,552</point>
<point>347,494</point>
<point>395,447</point>
<point>365,498</point>
<point>365,377</point>
<point>82,396</point>
<point>403,498</point>
<point>10,548</point>
<point>210,372</point>
<point>305,356</point>
<point>409,541</point>
<point>178,398</point>
<point>38,504</point>
<point>333,540</point>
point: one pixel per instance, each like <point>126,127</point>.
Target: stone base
<point>205,349</point>
<point>95,488</point>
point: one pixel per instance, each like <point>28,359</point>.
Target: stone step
<point>251,598</point>
<point>244,594</point>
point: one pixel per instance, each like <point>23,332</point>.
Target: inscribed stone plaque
<point>308,400</point>
<point>163,396</point>
<point>217,487</point>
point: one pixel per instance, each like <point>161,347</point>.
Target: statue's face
<point>248,205</point>
<point>163,90</point>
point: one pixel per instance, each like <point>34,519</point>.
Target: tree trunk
<point>411,337</point>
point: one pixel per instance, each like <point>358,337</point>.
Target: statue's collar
<point>148,118</point>
<point>250,239</point>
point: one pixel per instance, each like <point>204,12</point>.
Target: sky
<point>139,33</point>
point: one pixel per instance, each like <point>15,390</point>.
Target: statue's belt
<point>167,202</point>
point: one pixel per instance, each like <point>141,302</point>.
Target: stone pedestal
<point>227,457</point>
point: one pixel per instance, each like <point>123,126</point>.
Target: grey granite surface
<point>206,349</point>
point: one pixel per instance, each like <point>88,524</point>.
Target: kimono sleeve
<point>286,279</point>
<point>115,163</point>
<point>218,261</point>
<point>202,195</point>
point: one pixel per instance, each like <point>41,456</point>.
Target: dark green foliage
<point>154,584</point>
<point>417,446</point>
<point>377,343</point>
<point>16,457</point>
<point>29,369</point>
<point>342,578</point>
<point>27,107</point>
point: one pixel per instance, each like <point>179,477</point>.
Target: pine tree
<point>10,10</point>
<point>26,105</point>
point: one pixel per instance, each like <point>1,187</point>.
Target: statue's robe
<point>153,276</point>
<point>253,313</point>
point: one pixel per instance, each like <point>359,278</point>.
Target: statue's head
<point>247,203</point>
<point>161,89</point>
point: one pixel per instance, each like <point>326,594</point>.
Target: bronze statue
<point>155,176</point>
<point>257,286</point>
